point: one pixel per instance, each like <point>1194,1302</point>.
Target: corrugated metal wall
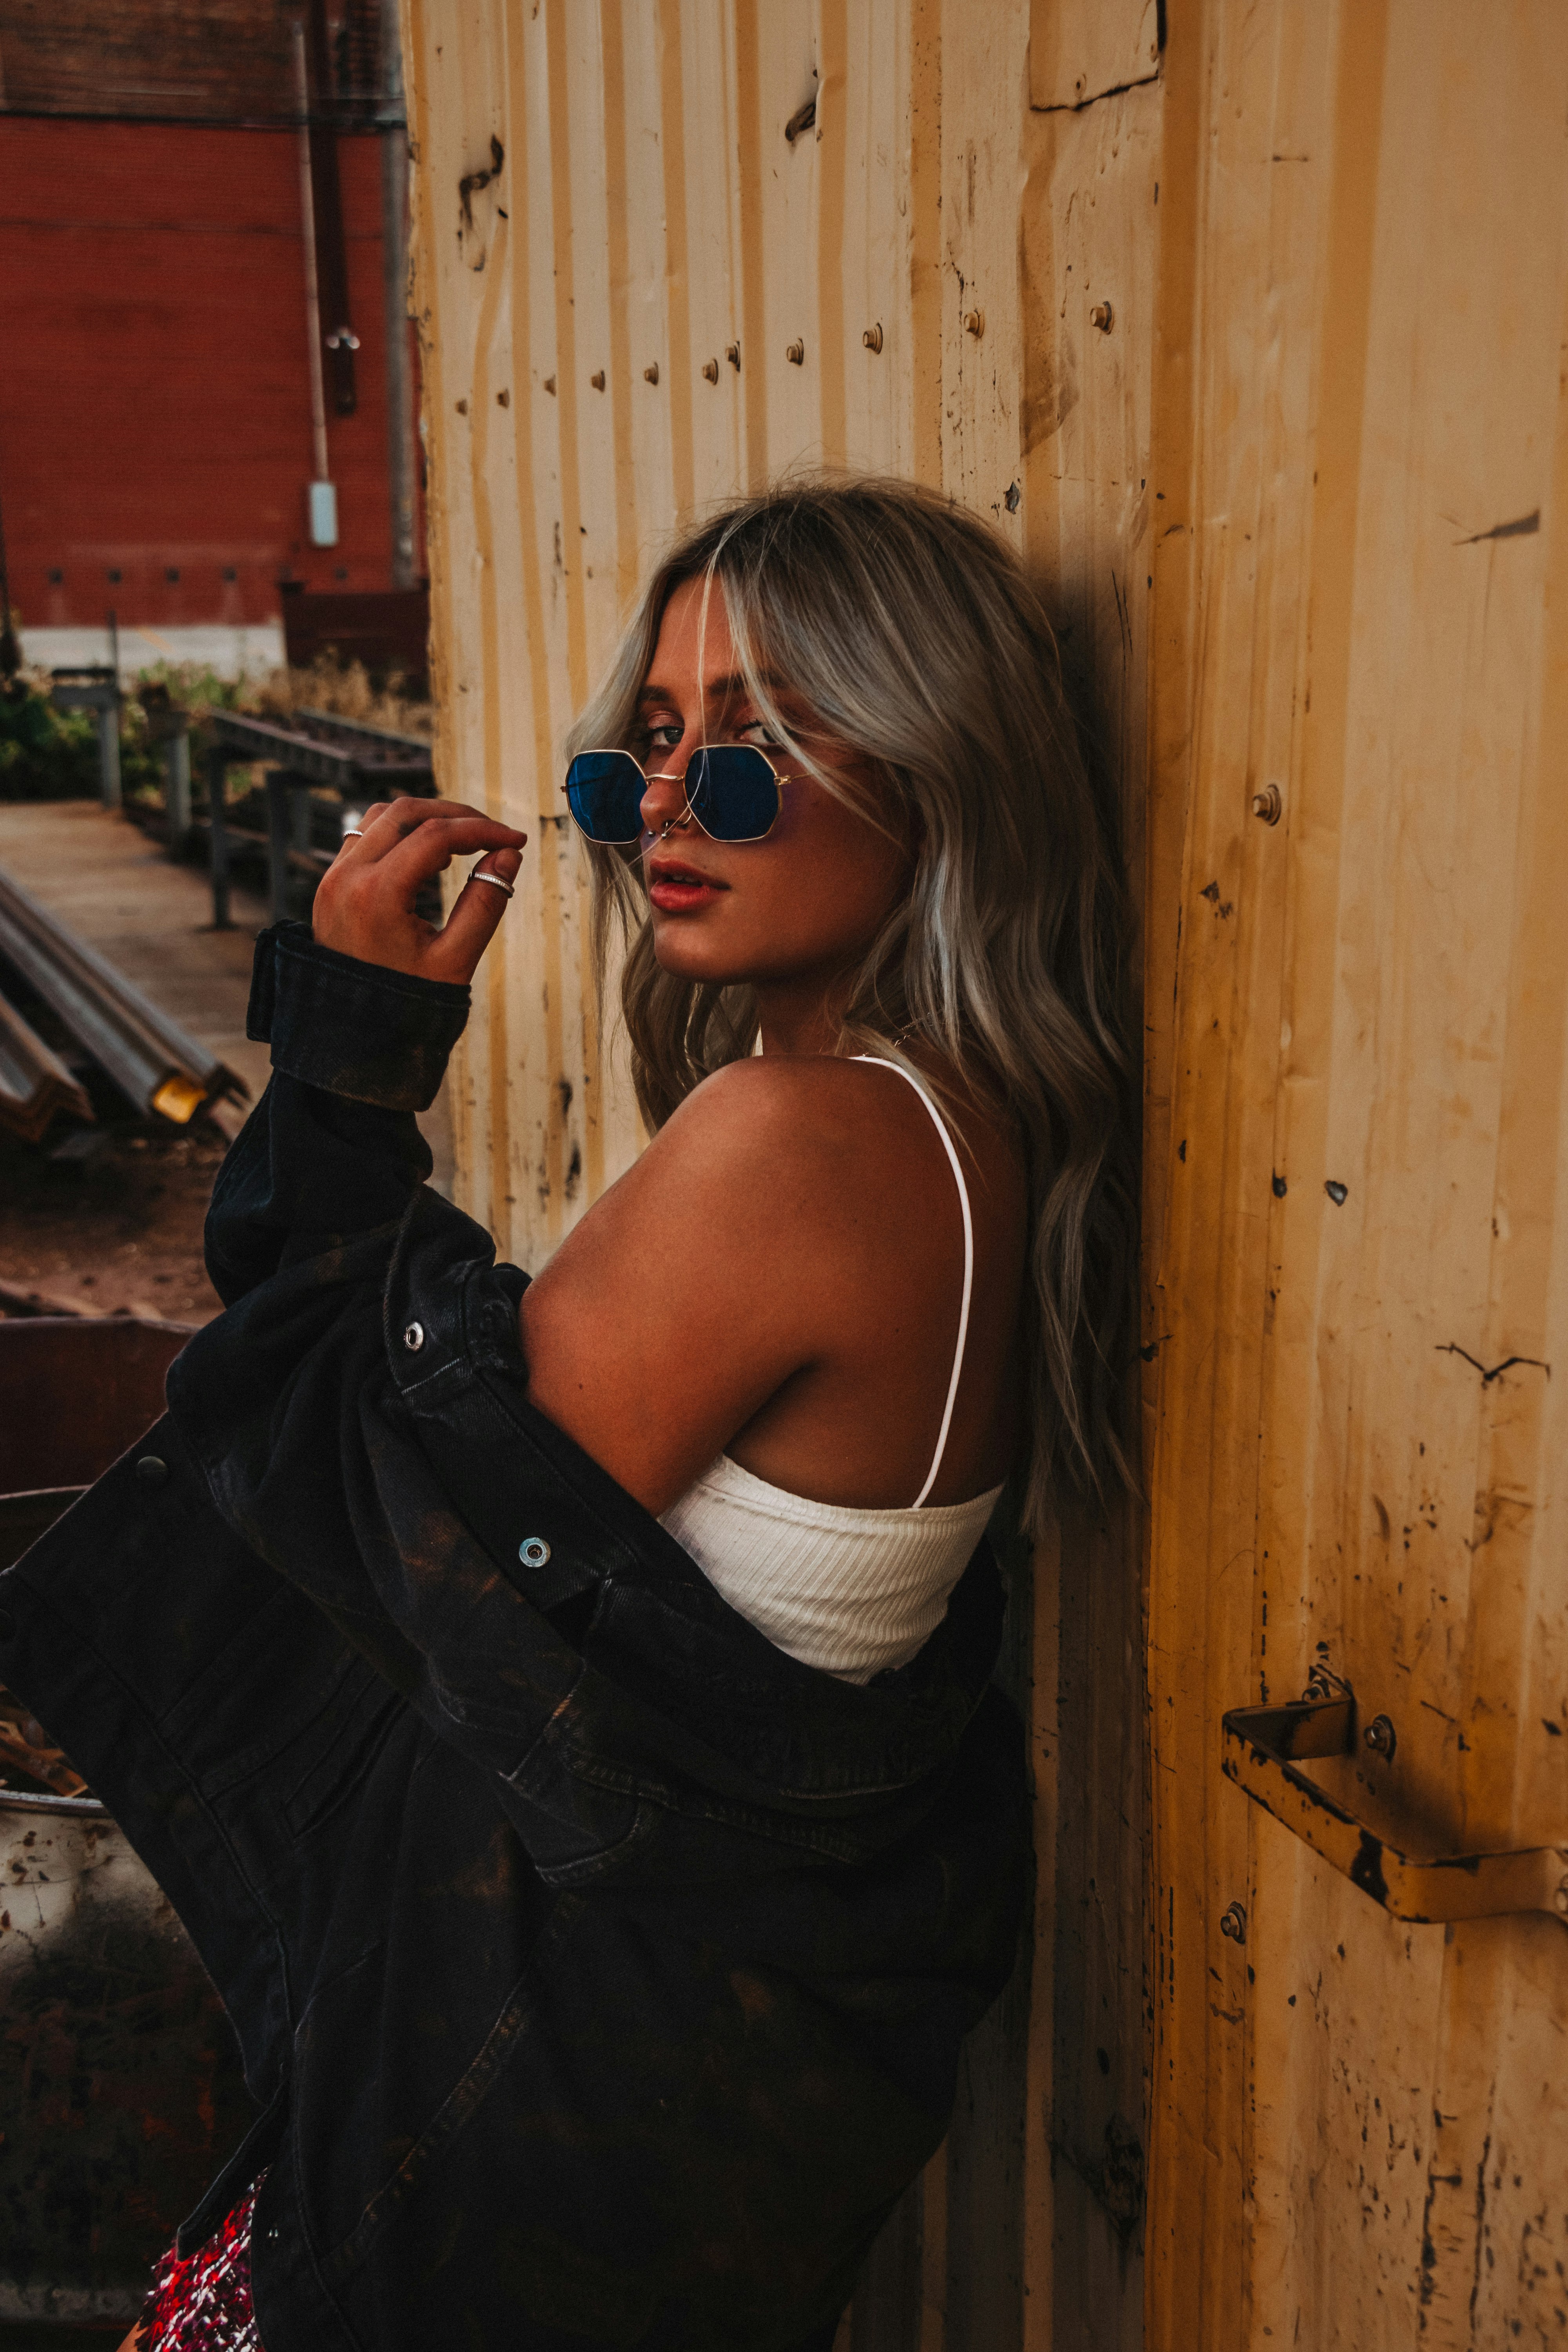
<point>1355,1153</point>
<point>1265,380</point>
<point>638,293</point>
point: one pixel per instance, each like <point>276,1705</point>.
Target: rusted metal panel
<point>191,61</point>
<point>156,456</point>
<point>75,1393</point>
<point>1360,468</point>
<point>120,2078</point>
<point>121,2086</point>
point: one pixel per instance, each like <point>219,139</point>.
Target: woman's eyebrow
<point>719,689</point>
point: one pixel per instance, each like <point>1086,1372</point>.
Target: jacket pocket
<point>344,1744</point>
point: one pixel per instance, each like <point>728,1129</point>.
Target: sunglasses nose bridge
<point>660,811</point>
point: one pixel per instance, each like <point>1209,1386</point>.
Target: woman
<point>656,1588</point>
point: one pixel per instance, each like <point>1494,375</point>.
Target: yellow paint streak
<point>613,68</point>
<point>753,370</point>
<point>566,353</point>
<point>832,164</point>
<point>925,135</point>
<point>672,141</point>
<point>489,689</point>
<point>417,47</point>
<point>546,1172</point>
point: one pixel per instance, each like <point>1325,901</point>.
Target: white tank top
<point>845,1590</point>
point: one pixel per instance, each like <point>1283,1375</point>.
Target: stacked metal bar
<point>34,1082</point>
<point>151,1059</point>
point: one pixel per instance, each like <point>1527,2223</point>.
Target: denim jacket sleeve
<point>361,1418</point>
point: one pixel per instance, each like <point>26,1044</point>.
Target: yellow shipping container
<point>1244,324</point>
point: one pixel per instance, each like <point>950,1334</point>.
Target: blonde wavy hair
<point>912,635</point>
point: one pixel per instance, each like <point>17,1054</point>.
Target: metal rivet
<point>503,397</point>
<point>597,379</point>
<point>151,1470</point>
<point>650,374</point>
<point>1268,804</point>
<point>974,322</point>
<point>414,1338</point>
<point>710,370</point>
<point>1103,317</point>
<point>550,385</point>
<point>1338,1193</point>
<point>1380,1735</point>
<point>1233,1923</point>
<point>872,338</point>
<point>795,354</point>
<point>533,1551</point>
<point>732,353</point>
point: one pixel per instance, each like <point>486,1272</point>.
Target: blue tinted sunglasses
<point>731,789</point>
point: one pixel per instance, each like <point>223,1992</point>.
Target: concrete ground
<point>120,1227</point>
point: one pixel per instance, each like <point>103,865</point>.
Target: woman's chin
<point>680,948</point>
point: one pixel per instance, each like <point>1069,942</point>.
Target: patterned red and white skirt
<point>203,2302</point>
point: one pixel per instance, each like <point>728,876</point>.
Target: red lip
<point>677,887</point>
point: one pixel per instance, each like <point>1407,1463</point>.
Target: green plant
<point>44,754</point>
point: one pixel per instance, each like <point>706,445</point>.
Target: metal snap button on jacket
<point>151,1470</point>
<point>414,1338</point>
<point>533,1551</point>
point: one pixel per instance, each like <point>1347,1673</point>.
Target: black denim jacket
<point>600,1970</point>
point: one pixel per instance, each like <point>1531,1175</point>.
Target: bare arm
<point>690,1294</point>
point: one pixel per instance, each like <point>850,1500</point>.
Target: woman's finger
<point>395,821</point>
<point>428,849</point>
<point>475,918</point>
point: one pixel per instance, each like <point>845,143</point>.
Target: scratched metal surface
<point>1357,1023</point>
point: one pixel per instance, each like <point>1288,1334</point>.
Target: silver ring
<point>354,833</point>
<point>495,882</point>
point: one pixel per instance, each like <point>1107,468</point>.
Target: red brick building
<point>157,433</point>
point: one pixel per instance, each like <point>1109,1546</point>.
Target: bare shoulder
<point>794,1219</point>
<point>811,1136</point>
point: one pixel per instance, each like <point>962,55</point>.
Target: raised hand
<point>365,904</point>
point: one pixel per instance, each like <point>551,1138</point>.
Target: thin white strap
<point>941,1125</point>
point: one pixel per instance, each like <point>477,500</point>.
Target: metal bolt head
<point>1103,317</point>
<point>974,323</point>
<point>872,338</point>
<point>1233,1923</point>
<point>795,354</point>
<point>1268,804</point>
<point>414,1338</point>
<point>710,370</point>
<point>1380,1735</point>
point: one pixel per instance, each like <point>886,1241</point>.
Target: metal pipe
<point>312,293</point>
<point>34,1082</point>
<point>394,296</point>
<point>177,790</point>
<point>217,824</point>
<point>151,1060</point>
